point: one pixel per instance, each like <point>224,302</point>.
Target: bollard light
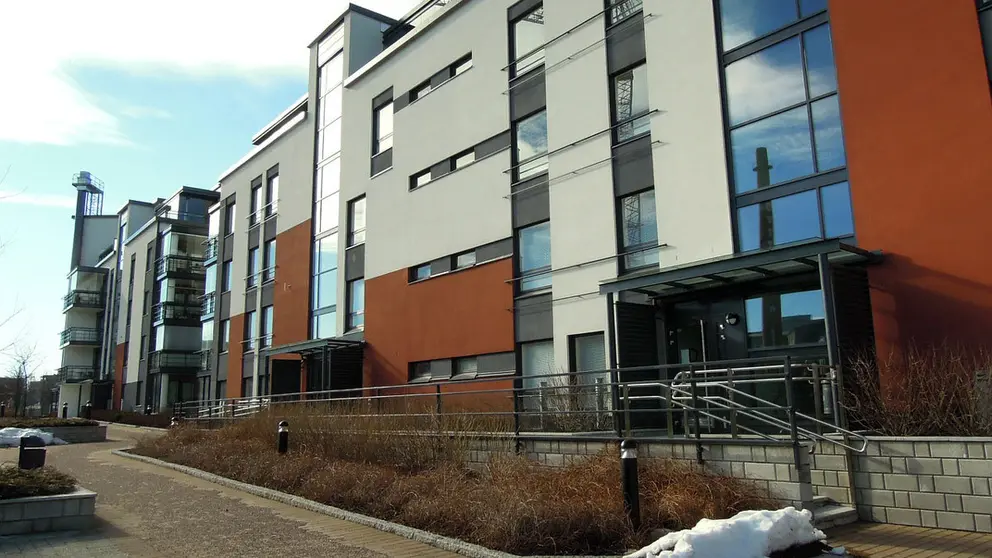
<point>174,422</point>
<point>88,410</point>
<point>283,433</point>
<point>65,410</point>
<point>628,480</point>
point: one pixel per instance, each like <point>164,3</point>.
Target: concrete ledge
<point>78,434</point>
<point>37,514</point>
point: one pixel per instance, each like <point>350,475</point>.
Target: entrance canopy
<point>312,348</point>
<point>741,268</point>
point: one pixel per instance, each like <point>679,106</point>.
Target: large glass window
<point>266,333</point>
<point>630,103</point>
<point>325,287</point>
<point>251,331</point>
<point>225,334</point>
<point>230,214</point>
<point>534,256</point>
<point>382,120</point>
<point>272,196</point>
<point>745,20</point>
<point>252,267</point>
<point>269,261</point>
<point>796,218</point>
<point>785,319</point>
<point>639,229</point>
<point>356,304</point>
<point>256,204</point>
<point>537,359</point>
<point>206,335</point>
<point>528,41</point>
<point>531,135</point>
<point>356,221</point>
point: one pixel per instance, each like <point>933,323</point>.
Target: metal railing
<point>159,360</point>
<point>175,311</point>
<point>76,373</point>
<point>210,248</point>
<point>89,299</point>
<point>758,400</point>
<point>86,335</point>
<point>208,304</point>
<point>180,264</point>
<point>183,216</point>
<point>205,355</point>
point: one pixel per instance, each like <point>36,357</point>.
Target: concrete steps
<point>828,513</point>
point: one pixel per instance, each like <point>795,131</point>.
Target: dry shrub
<point>940,390</point>
<point>44,422</point>
<point>419,479</point>
<point>22,483</point>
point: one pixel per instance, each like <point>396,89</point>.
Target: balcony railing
<point>69,374</point>
<point>81,335</point>
<point>205,359</point>
<point>83,299</point>
<point>183,216</point>
<point>210,250</point>
<point>160,360</point>
<point>208,304</point>
<point>175,311</point>
<point>185,265</point>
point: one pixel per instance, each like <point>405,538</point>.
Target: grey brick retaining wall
<point>78,434</point>
<point>62,512</point>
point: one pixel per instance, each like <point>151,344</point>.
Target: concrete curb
<point>133,426</point>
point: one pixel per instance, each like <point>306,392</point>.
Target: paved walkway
<point>880,540</point>
<point>148,511</point>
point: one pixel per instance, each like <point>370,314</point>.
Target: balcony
<point>180,266</point>
<point>73,374</point>
<point>208,305</point>
<point>210,250</point>
<point>205,355</point>
<point>80,336</point>
<point>173,362</point>
<point>82,299</point>
<point>176,312</point>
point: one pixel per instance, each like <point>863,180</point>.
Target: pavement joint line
<point>419,535</point>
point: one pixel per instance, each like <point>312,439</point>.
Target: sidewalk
<point>149,511</point>
<point>880,540</point>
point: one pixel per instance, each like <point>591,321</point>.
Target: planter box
<point>78,434</point>
<point>37,514</point>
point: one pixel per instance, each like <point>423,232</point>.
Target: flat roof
<point>339,19</point>
<point>313,346</point>
<point>294,119</point>
<point>278,121</point>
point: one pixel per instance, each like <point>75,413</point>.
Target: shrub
<point>21,483</point>
<point>936,391</point>
<point>418,478</point>
<point>44,422</point>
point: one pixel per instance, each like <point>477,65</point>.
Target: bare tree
<point>21,371</point>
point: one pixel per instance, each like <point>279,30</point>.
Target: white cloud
<point>140,112</point>
<point>44,200</point>
<point>40,42</point>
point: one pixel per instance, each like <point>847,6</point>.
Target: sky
<point>148,98</point>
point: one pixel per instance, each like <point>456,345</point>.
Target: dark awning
<point>313,347</point>
<point>741,268</point>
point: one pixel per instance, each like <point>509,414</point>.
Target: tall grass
<point>413,471</point>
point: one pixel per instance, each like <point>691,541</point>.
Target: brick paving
<point>880,540</point>
<point>148,511</point>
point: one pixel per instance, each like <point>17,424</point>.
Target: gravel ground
<point>148,511</point>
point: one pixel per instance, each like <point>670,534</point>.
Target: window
<point>531,136</point>
<point>420,91</point>
<point>420,371</point>
<point>622,9</point>
<point>325,325</point>
<point>420,179</point>
<point>149,257</point>
<point>785,320</point>
<point>796,218</point>
<point>206,335</point>
<point>464,159</point>
<point>630,103</point>
<point>638,230</point>
<point>356,304</point>
<point>225,334</point>
<point>250,331</point>
<point>325,287</point>
<point>534,256</point>
<point>272,196</point>
<point>269,261</point>
<point>382,122</point>
<point>420,272</point>
<point>225,276</point>
<point>256,204</point>
<point>536,359</point>
<point>252,267</point>
<point>266,334</point>
<point>746,20</point>
<point>465,259</point>
<point>145,307</point>
<point>528,42</point>
<point>465,368</point>
<point>588,361</point>
<point>462,66</point>
<point>356,221</point>
<point>230,214</point>
<point>143,348</point>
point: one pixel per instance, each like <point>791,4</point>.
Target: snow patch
<point>12,436</point>
<point>749,534</point>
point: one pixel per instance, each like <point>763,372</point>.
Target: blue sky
<point>147,101</point>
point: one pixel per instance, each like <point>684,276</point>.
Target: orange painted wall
<point>234,354</point>
<point>291,298</point>
<point>460,314</point>
<point>917,116</point>
<point>120,356</point>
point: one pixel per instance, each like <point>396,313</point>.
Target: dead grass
<point>22,483</point>
<point>418,478</point>
<point>934,391</point>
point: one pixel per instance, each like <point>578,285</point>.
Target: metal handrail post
<point>695,410</point>
<point>817,398</point>
<point>615,389</point>
<point>626,410</point>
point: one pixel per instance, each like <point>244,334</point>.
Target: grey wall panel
<point>381,162</point>
<point>251,299</point>
<point>533,319</point>
<point>498,362</point>
<point>401,102</point>
<point>222,367</point>
<point>130,395</point>
<point>354,264</point>
<point>625,45</point>
<point>268,291</point>
<point>253,237</point>
<point>142,369</point>
<point>531,203</point>
<point>441,265</point>
<point>224,306</point>
<point>493,145</point>
<point>227,249</point>
<point>520,8</point>
<point>382,98</point>
<point>441,77</point>
<point>527,97</point>
<point>632,167</point>
<point>441,368</point>
<point>441,169</point>
<point>247,365</point>
<point>270,229</point>
<point>494,250</point>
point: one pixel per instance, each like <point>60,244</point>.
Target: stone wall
<point>78,434</point>
<point>63,512</point>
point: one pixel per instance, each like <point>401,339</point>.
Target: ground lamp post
<point>283,434</point>
<point>628,480</point>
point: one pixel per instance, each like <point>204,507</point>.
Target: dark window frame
<point>517,260</point>
<point>230,214</point>
<point>257,197</point>
<point>624,251</point>
<point>514,73</point>
<point>272,205</point>
<point>616,123</point>
<point>612,20</point>
<point>414,273</point>
<point>351,239</point>
<point>377,140</point>
<point>421,90</point>
<point>251,278</point>
<point>467,59</point>
<point>454,260</point>
<point>514,144</point>
<point>415,179</point>
<point>269,267</point>
<point>462,155</point>
<point>350,322</point>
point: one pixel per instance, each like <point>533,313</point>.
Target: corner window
<point>229,215</point>
<point>420,272</point>
<point>785,319</point>
<point>534,256</point>
<point>622,9</point>
<point>256,204</point>
<point>528,42</point>
<point>796,217</point>
<point>465,259</point>
<point>252,267</point>
<point>272,196</point>
<point>639,230</point>
<point>356,304</point>
<point>269,261</point>
<point>630,103</point>
<point>420,179</point>
<point>531,138</point>
<point>464,159</point>
<point>356,221</point>
<point>382,122</point>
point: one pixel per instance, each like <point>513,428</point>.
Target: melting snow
<point>749,534</point>
<point>12,436</point>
